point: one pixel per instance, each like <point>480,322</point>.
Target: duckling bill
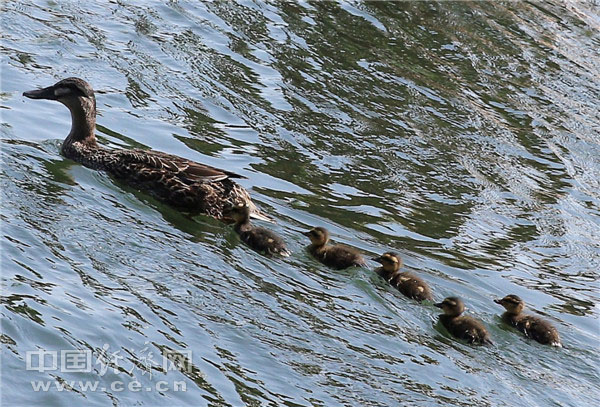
<point>465,327</point>
<point>532,326</point>
<point>260,239</point>
<point>182,183</point>
<point>407,283</point>
<point>335,256</point>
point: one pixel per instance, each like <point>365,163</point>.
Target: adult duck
<point>179,182</point>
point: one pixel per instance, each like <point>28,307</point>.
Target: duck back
<point>181,183</point>
<point>535,328</point>
<point>466,328</point>
<point>262,240</point>
<point>411,286</point>
<point>337,256</point>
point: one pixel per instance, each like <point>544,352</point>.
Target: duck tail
<point>362,262</point>
<point>241,197</point>
<point>255,213</point>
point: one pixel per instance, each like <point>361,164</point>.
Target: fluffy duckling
<point>533,327</point>
<point>260,239</point>
<point>466,328</point>
<point>407,283</point>
<point>335,256</point>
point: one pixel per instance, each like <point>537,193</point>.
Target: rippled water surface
<point>463,135</point>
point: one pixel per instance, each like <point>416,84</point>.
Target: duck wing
<point>190,172</point>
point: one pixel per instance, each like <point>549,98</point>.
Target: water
<point>465,136</point>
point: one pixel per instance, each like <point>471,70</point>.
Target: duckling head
<point>318,236</point>
<point>452,306</point>
<point>79,97</point>
<point>390,261</point>
<point>240,213</point>
<point>513,303</point>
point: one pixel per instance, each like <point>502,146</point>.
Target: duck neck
<point>511,315</point>
<point>385,274</point>
<point>83,123</point>
<point>317,248</point>
<point>243,225</point>
<point>510,318</point>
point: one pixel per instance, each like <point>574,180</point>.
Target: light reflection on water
<point>462,135</point>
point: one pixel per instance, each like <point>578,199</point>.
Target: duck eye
<point>58,92</point>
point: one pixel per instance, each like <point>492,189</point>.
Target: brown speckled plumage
<point>182,183</point>
<point>335,256</point>
<point>532,326</point>
<point>407,283</point>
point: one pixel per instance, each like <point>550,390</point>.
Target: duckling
<point>533,327</point>
<point>407,283</point>
<point>182,183</point>
<point>260,239</point>
<point>466,328</point>
<point>335,256</point>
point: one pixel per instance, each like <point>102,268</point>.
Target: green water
<point>463,135</point>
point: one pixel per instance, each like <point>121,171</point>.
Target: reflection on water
<point>462,135</point>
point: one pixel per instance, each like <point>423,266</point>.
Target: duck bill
<point>439,305</point>
<point>307,234</point>
<point>377,259</point>
<point>498,301</point>
<point>46,93</point>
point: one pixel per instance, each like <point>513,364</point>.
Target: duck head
<point>452,306</point>
<point>318,236</point>
<point>77,95</point>
<point>240,213</point>
<point>390,261</point>
<point>513,303</point>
